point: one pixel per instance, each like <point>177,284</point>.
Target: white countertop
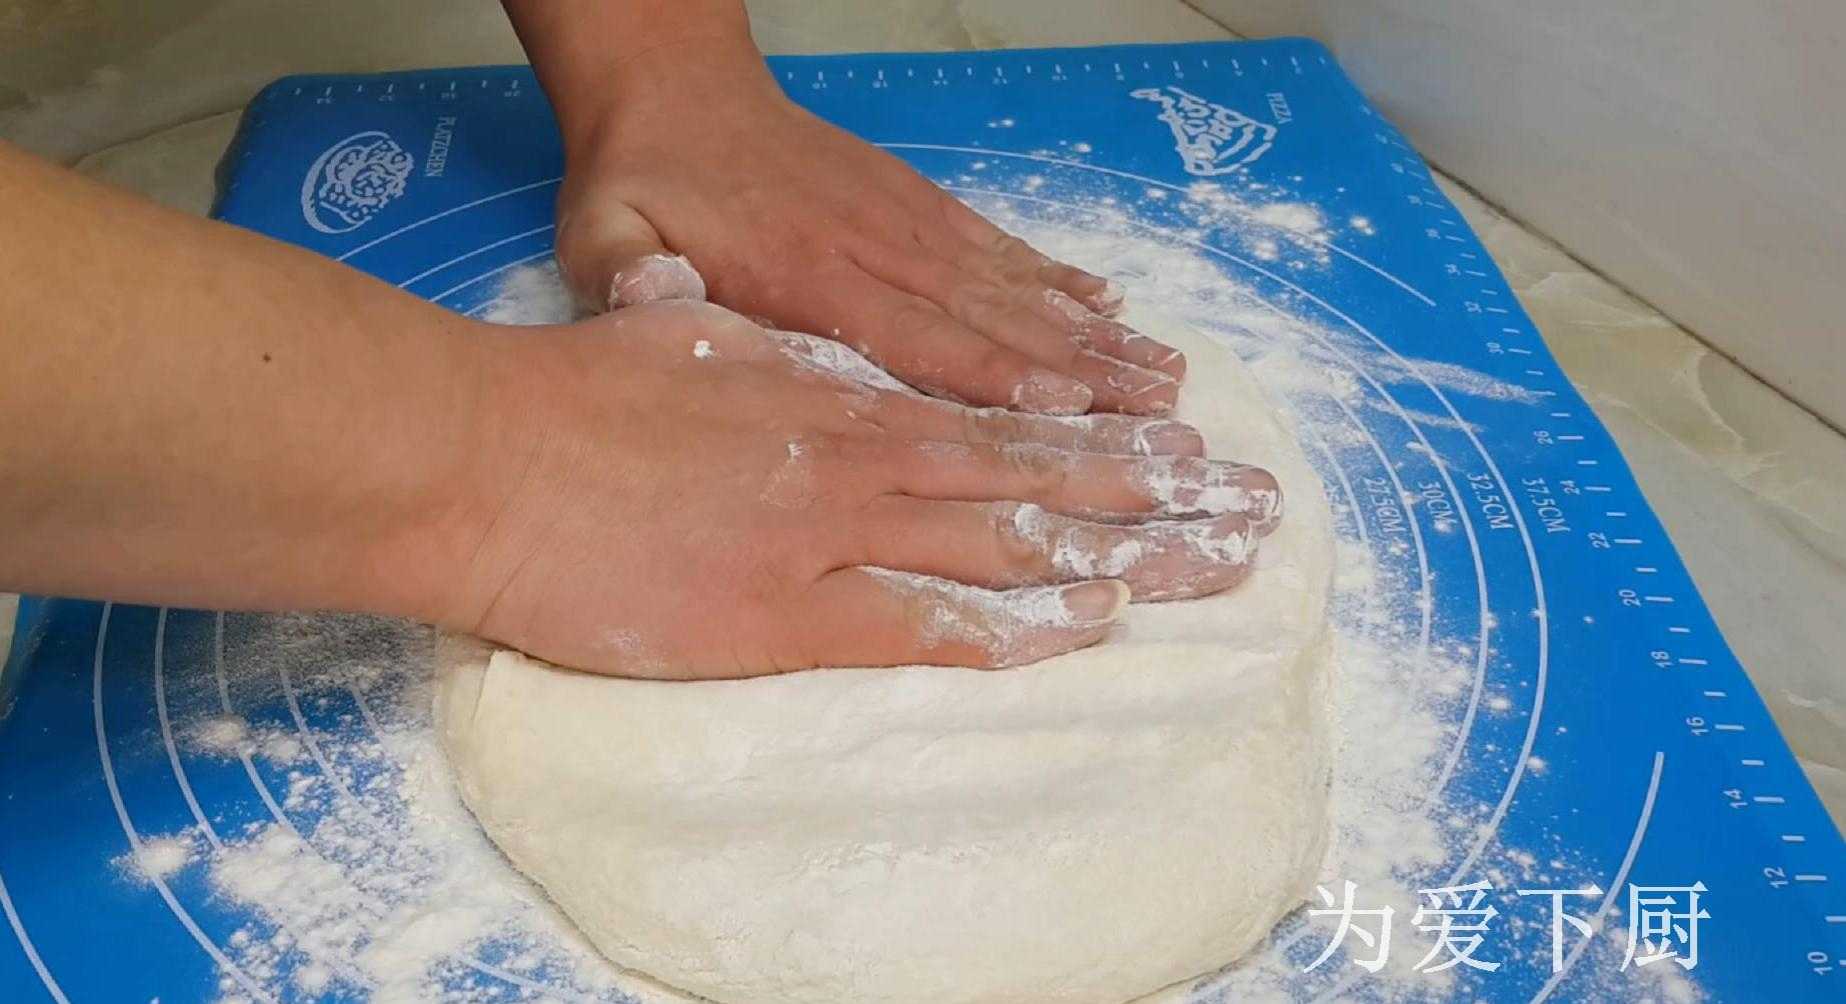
<point>1751,487</point>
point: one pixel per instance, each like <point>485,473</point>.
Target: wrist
<point>444,496</point>
<point>671,84</point>
<point>597,59</point>
<point>465,549</point>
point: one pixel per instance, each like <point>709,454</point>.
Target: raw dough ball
<point>1090,828</point>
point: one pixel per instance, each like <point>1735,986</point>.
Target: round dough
<point>1089,828</point>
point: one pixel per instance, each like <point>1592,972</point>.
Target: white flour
<point>376,879</point>
<point>158,857</point>
<point>1001,624</point>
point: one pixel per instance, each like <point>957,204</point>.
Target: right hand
<point>780,214</point>
<point>675,492</point>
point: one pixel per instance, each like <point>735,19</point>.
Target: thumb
<point>612,257</point>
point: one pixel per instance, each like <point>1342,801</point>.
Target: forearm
<point>193,414</point>
<point>586,52</point>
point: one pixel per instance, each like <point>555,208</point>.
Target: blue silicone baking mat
<point>1624,734</point>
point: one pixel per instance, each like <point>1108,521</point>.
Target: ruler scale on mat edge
<point>1632,741</point>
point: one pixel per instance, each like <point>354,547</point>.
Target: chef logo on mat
<point>353,180</point>
<point>1211,139</point>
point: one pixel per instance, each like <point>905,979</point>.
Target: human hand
<point>692,150</point>
<point>676,492</point>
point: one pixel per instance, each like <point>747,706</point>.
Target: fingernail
<point>1109,299</point>
<point>1133,380</point>
<point>1156,438</point>
<point>1048,393</point>
<point>1173,362</point>
<point>1144,391</point>
<point>1184,486</point>
<point>1265,509</point>
<point>1236,548</point>
<point>655,277</point>
<point>1220,540</point>
<point>1095,602</point>
<point>1067,306</point>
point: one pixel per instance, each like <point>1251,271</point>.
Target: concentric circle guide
<point>1603,722</point>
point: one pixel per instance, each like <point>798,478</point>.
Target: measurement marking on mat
<point>1627,541</point>
<point>1728,727</point>
<point>1750,762</point>
<point>1769,799</point>
<point>1716,694</point>
<point>1676,629</point>
<point>1589,463</point>
<point>1794,838</point>
<point>1810,877</point>
<point>1617,513</point>
<point>1597,488</point>
<point>1689,661</point>
<point>1658,599</point>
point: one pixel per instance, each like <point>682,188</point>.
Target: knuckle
<point>1044,469</point>
<point>1008,246</point>
<point>977,304</point>
<point>992,425</point>
<point>843,463</point>
<point>915,317</point>
<point>1015,549</point>
<point>999,362</point>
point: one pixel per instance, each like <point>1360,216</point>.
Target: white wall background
<point>1692,150</point>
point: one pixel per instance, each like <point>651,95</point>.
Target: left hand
<point>697,153</point>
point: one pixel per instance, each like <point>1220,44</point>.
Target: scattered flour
<point>158,857</point>
<point>531,294</point>
<point>231,736</point>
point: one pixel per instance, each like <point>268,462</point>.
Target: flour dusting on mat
<point>158,857</point>
<point>370,878</point>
